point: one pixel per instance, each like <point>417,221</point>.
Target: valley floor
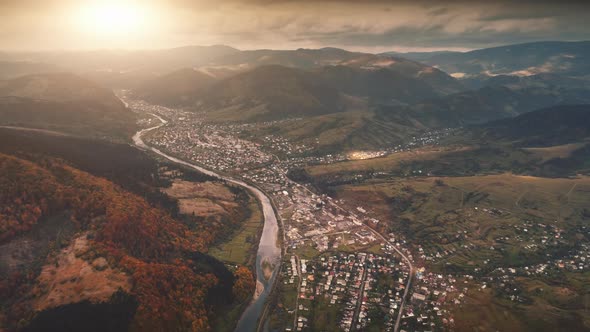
<point>394,246</point>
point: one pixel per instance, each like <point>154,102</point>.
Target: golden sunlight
<point>113,18</point>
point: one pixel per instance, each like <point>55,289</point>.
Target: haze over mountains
<point>388,80</point>
<point>566,58</point>
<point>63,87</point>
<point>379,91</point>
<point>175,88</point>
<point>360,89</point>
<point>163,60</point>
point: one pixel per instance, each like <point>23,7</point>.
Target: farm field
<point>240,248</point>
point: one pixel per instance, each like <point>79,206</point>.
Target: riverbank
<point>269,246</point>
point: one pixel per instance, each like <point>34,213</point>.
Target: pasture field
<point>477,219</point>
<point>382,164</point>
<point>557,151</point>
<point>240,248</point>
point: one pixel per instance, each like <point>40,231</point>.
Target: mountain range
<point>566,58</point>
<point>392,93</point>
<point>275,91</point>
<point>91,228</point>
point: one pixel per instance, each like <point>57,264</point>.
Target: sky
<point>361,25</point>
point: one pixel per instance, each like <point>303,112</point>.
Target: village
<point>366,289</point>
<point>335,255</point>
<point>335,263</point>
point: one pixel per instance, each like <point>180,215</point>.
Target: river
<point>269,252</point>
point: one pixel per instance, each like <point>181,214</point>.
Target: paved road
<point>295,312</point>
<point>359,301</point>
<point>411,274</point>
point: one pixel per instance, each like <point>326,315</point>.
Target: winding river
<point>269,253</point>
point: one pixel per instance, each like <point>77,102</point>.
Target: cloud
<point>354,24</point>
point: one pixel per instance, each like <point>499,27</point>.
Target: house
<point>418,296</point>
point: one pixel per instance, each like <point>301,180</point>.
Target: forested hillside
<point>70,239</point>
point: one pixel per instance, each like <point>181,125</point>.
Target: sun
<point>112,18</point>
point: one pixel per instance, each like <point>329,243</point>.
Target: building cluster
<point>206,145</point>
<point>363,288</point>
<point>318,221</point>
<point>431,297</point>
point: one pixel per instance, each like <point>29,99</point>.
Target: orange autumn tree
<point>244,284</point>
<point>27,192</point>
<point>171,297</point>
<point>144,241</point>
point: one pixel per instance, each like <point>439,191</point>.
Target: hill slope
<point>318,58</point>
<point>273,92</point>
<point>544,80</point>
<point>568,58</point>
<point>485,104</point>
<point>176,88</point>
<point>12,69</point>
<point>64,102</point>
<point>550,126</point>
<point>270,93</point>
<point>123,229</point>
<point>60,87</point>
<point>379,85</point>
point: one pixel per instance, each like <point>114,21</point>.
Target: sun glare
<point>112,18</point>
